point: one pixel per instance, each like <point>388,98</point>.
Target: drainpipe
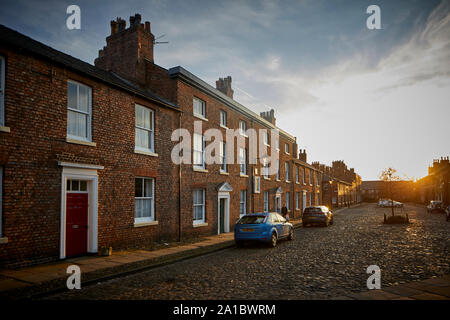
<point>179,190</point>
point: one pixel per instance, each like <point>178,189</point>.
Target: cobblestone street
<point>320,263</point>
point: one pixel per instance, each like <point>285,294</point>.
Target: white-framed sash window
<point>278,169</point>
<point>2,90</point>
<point>304,175</point>
<point>199,206</point>
<point>266,201</point>
<point>242,203</point>
<point>243,127</point>
<point>223,157</point>
<point>79,111</point>
<point>297,200</point>
<point>1,201</point>
<point>243,160</point>
<point>144,204</point>
<point>223,118</point>
<point>144,129</point>
<point>199,151</point>
<point>199,107</point>
<point>286,166</point>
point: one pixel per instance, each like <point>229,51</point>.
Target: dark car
<point>266,227</point>
<point>317,215</point>
<point>436,207</point>
<point>448,213</point>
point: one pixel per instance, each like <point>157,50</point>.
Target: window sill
<point>145,152</point>
<point>277,180</point>
<point>199,116</point>
<point>198,225</point>
<point>81,142</point>
<point>288,181</point>
<point>224,173</point>
<point>5,129</point>
<point>199,170</point>
<point>3,240</point>
<point>224,127</point>
<point>243,175</point>
<point>266,178</point>
<point>145,224</point>
<point>244,135</point>
<point>297,182</point>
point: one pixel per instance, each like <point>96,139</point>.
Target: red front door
<point>76,223</point>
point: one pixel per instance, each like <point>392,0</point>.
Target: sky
<point>373,98</point>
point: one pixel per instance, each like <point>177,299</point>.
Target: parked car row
<point>269,227</point>
<point>387,203</point>
<point>436,207</point>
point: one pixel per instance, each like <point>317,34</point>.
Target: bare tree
<point>388,175</point>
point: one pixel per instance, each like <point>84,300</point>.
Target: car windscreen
<point>313,210</point>
<point>252,220</point>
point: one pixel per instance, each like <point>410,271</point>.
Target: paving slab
<point>429,296</point>
<point>402,290</point>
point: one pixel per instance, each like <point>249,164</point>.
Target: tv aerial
<point>160,42</point>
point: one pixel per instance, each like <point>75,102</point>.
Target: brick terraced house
<point>86,152</point>
<point>340,186</point>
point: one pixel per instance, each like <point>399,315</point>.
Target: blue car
<point>266,227</point>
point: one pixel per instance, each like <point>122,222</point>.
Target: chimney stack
<point>269,116</point>
<point>302,155</point>
<point>224,85</point>
<point>128,50</point>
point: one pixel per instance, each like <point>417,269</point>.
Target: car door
<point>277,224</point>
<point>284,227</point>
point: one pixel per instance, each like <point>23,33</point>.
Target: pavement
<point>437,288</point>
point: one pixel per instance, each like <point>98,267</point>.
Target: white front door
<point>278,203</point>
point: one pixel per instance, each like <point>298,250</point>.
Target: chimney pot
<point>137,19</point>
<point>121,23</point>
<point>147,26</point>
<point>113,27</point>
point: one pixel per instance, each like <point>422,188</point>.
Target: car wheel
<point>291,234</point>
<point>273,240</point>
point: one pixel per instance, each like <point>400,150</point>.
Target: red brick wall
<point>36,112</point>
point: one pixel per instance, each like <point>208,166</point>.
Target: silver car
<point>320,215</point>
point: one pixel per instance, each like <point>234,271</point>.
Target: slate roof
<point>22,42</point>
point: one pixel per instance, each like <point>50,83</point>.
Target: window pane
<point>72,123</point>
<point>148,188</point>
<point>139,116</point>
<point>75,185</point>
<point>72,95</point>
<point>69,186</point>
<point>143,138</point>
<point>82,125</point>
<point>83,186</point>
<point>138,191</point>
<point>147,118</point>
<point>83,98</point>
